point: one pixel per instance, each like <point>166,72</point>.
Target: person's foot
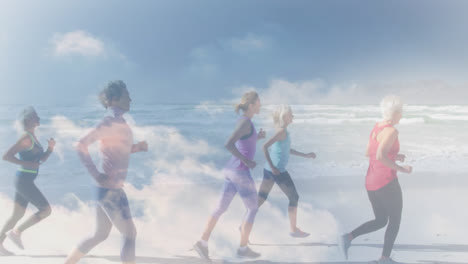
<point>202,251</point>
<point>299,233</point>
<point>247,253</point>
<point>16,239</point>
<point>387,261</point>
<point>344,242</point>
<point>5,252</point>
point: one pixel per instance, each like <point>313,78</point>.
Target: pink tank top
<point>246,146</point>
<point>379,175</point>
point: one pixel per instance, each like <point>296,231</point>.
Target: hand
<point>407,169</point>
<point>310,155</point>
<point>250,164</point>
<point>400,157</point>
<point>142,146</point>
<point>51,143</point>
<point>275,171</point>
<point>261,134</point>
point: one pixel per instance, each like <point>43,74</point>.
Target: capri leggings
<point>238,181</point>
<point>284,182</point>
<point>26,192</point>
<point>113,209</point>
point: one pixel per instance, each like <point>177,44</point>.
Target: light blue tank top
<point>279,154</point>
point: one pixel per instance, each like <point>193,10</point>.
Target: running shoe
<point>202,251</point>
<point>387,261</point>
<point>5,252</point>
<point>299,233</point>
<point>344,243</point>
<point>16,239</point>
<point>247,253</point>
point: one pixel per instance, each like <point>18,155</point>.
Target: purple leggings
<point>238,181</point>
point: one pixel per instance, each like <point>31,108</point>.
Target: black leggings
<point>285,183</point>
<point>387,203</point>
<point>26,193</point>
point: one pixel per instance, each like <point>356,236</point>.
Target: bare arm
<point>243,128</point>
<point>50,149</point>
<point>83,153</point>
<point>140,147</point>
<point>276,137</point>
<point>387,141</point>
<point>302,154</point>
<point>23,143</point>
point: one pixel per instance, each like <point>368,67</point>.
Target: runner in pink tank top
<point>379,175</point>
<point>382,183</point>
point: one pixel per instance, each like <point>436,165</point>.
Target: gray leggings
<point>26,192</point>
<point>113,209</point>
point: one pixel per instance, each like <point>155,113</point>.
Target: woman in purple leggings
<point>242,144</point>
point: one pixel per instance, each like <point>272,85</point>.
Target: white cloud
<point>77,43</point>
<point>320,92</point>
<point>251,42</point>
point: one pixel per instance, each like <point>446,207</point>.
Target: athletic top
<point>116,140</point>
<point>279,154</point>
<point>34,153</point>
<point>379,175</point>
<point>246,146</point>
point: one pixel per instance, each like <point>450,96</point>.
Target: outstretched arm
<point>302,154</point>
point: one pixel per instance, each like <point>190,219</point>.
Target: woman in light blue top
<point>277,150</point>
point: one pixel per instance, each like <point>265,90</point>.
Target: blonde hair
<point>112,91</point>
<point>246,100</point>
<point>280,112</point>
<point>390,105</point>
<point>26,115</point>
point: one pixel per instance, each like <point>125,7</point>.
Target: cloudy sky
<point>61,52</point>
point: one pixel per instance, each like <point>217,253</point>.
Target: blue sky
<point>193,51</point>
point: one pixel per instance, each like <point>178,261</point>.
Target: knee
<point>294,200</point>
<point>262,195</point>
<point>381,222</point>
<point>219,211</point>
<point>251,213</point>
<point>44,212</point>
<point>101,236</point>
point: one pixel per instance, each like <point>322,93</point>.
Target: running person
<point>31,155</point>
<point>382,184</point>
<point>116,140</point>
<point>275,168</point>
<point>242,145</point>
